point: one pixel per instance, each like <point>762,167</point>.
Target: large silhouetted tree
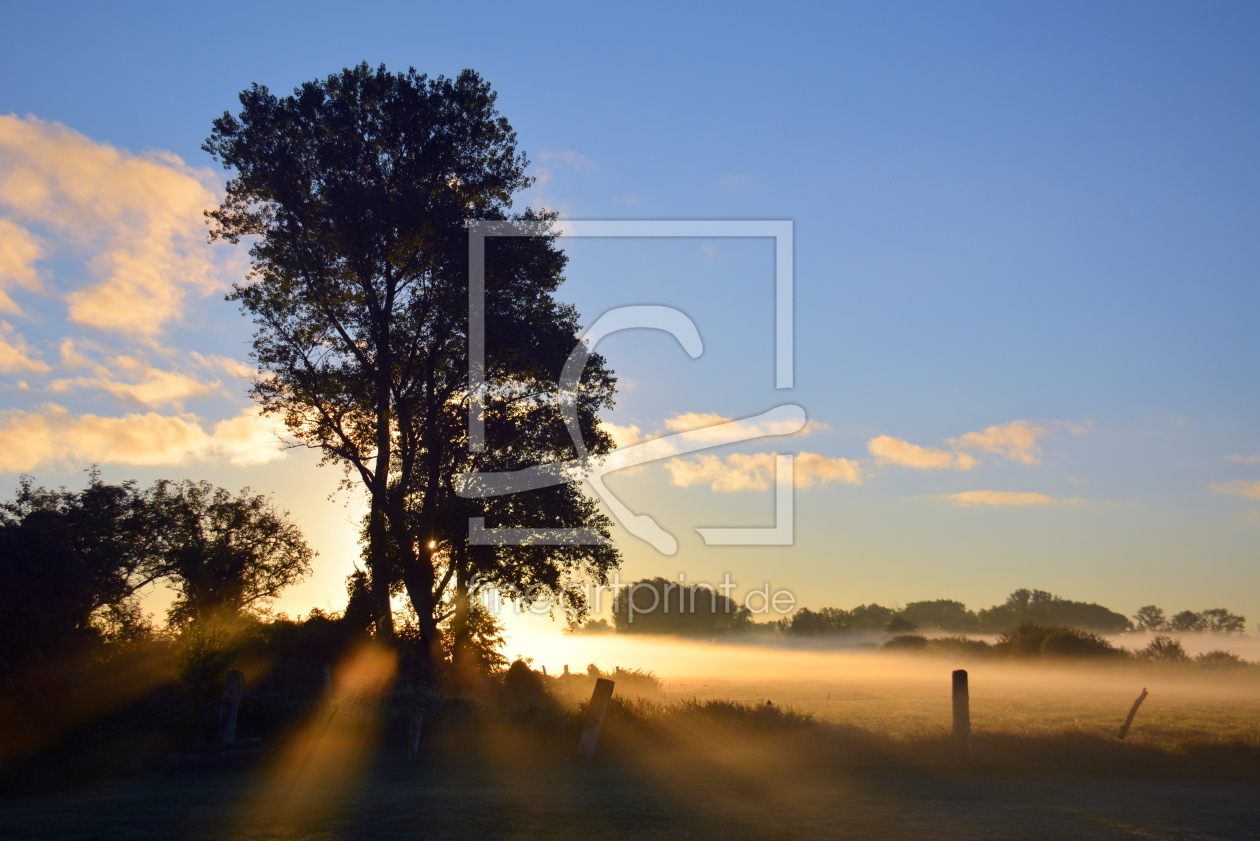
<point>359,189</point>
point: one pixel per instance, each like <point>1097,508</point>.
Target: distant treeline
<point>665,607</point>
<point>1051,642</point>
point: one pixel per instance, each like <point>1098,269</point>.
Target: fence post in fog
<point>415,725</point>
<point>328,688</point>
<point>230,706</point>
<point>962,717</point>
<point>595,717</point>
<point>1124,728</point>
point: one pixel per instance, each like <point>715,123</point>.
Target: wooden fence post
<point>595,717</point>
<point>962,717</point>
<point>230,706</point>
<point>415,726</point>
<point>1124,728</point>
<point>328,685</point>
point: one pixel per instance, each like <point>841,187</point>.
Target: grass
<point>686,769</point>
<point>862,754</point>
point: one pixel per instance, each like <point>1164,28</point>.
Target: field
<point>852,745</point>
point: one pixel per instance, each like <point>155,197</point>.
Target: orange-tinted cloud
<point>136,220</point>
<point>30,439</point>
<point>1016,440</point>
<point>19,251</point>
<point>969,498</point>
<point>15,354</point>
<point>888,450</point>
<point>1251,490</point>
<point>756,471</point>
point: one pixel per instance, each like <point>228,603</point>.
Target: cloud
<point>232,367</point>
<point>567,156</point>
<point>693,421</point>
<point>888,450</point>
<point>755,472</point>
<point>969,498</point>
<point>15,354</point>
<point>152,387</point>
<point>136,220</point>
<point>19,251</point>
<point>132,379</point>
<point>1016,440</point>
<point>623,435</point>
<point>55,436</point>
<point>1240,459</point>
<point>811,469</point>
<point>1251,490</point>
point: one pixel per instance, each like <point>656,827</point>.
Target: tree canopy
<point>358,190</point>
<point>75,562</point>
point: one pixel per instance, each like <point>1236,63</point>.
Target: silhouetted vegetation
<point>1022,607</point>
<point>1060,643</point>
<point>658,606</point>
<point>357,192</point>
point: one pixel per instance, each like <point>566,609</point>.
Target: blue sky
<point>1043,214</point>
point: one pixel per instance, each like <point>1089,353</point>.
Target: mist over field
<point>892,691</point>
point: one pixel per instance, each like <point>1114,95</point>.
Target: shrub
<point>1073,642</point>
<point>907,642</point>
<point>1031,641</point>
<point>1162,649</point>
<point>1220,660</point>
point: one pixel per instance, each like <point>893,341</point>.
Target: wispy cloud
<point>1241,459</point>
<point>564,157</point>
<point>135,220</point>
<point>623,435</point>
<point>690,421</point>
<point>19,251</point>
<point>31,439</point>
<point>1251,490</point>
<point>1016,441</point>
<point>970,498</point>
<point>892,451</point>
<point>15,354</point>
<point>756,471</point>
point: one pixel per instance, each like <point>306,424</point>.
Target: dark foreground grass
<point>689,770</point>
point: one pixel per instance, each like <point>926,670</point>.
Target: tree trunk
<point>379,565</point>
<point>419,578</point>
<point>460,648</point>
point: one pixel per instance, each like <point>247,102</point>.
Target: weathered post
<point>415,727</point>
<point>595,717</point>
<point>230,706</point>
<point>962,717</point>
<point>328,684</point>
<point>1128,722</point>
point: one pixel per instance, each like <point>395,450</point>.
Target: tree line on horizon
<point>666,607</point>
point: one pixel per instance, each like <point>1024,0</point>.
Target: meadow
<point>736,742</point>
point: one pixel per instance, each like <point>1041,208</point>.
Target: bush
<point>1072,642</point>
<point>907,642</point>
<point>1220,660</point>
<point>960,645</point>
<point>1032,641</point>
<point>1162,649</point>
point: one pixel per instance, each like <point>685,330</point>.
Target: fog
<point>886,690</point>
